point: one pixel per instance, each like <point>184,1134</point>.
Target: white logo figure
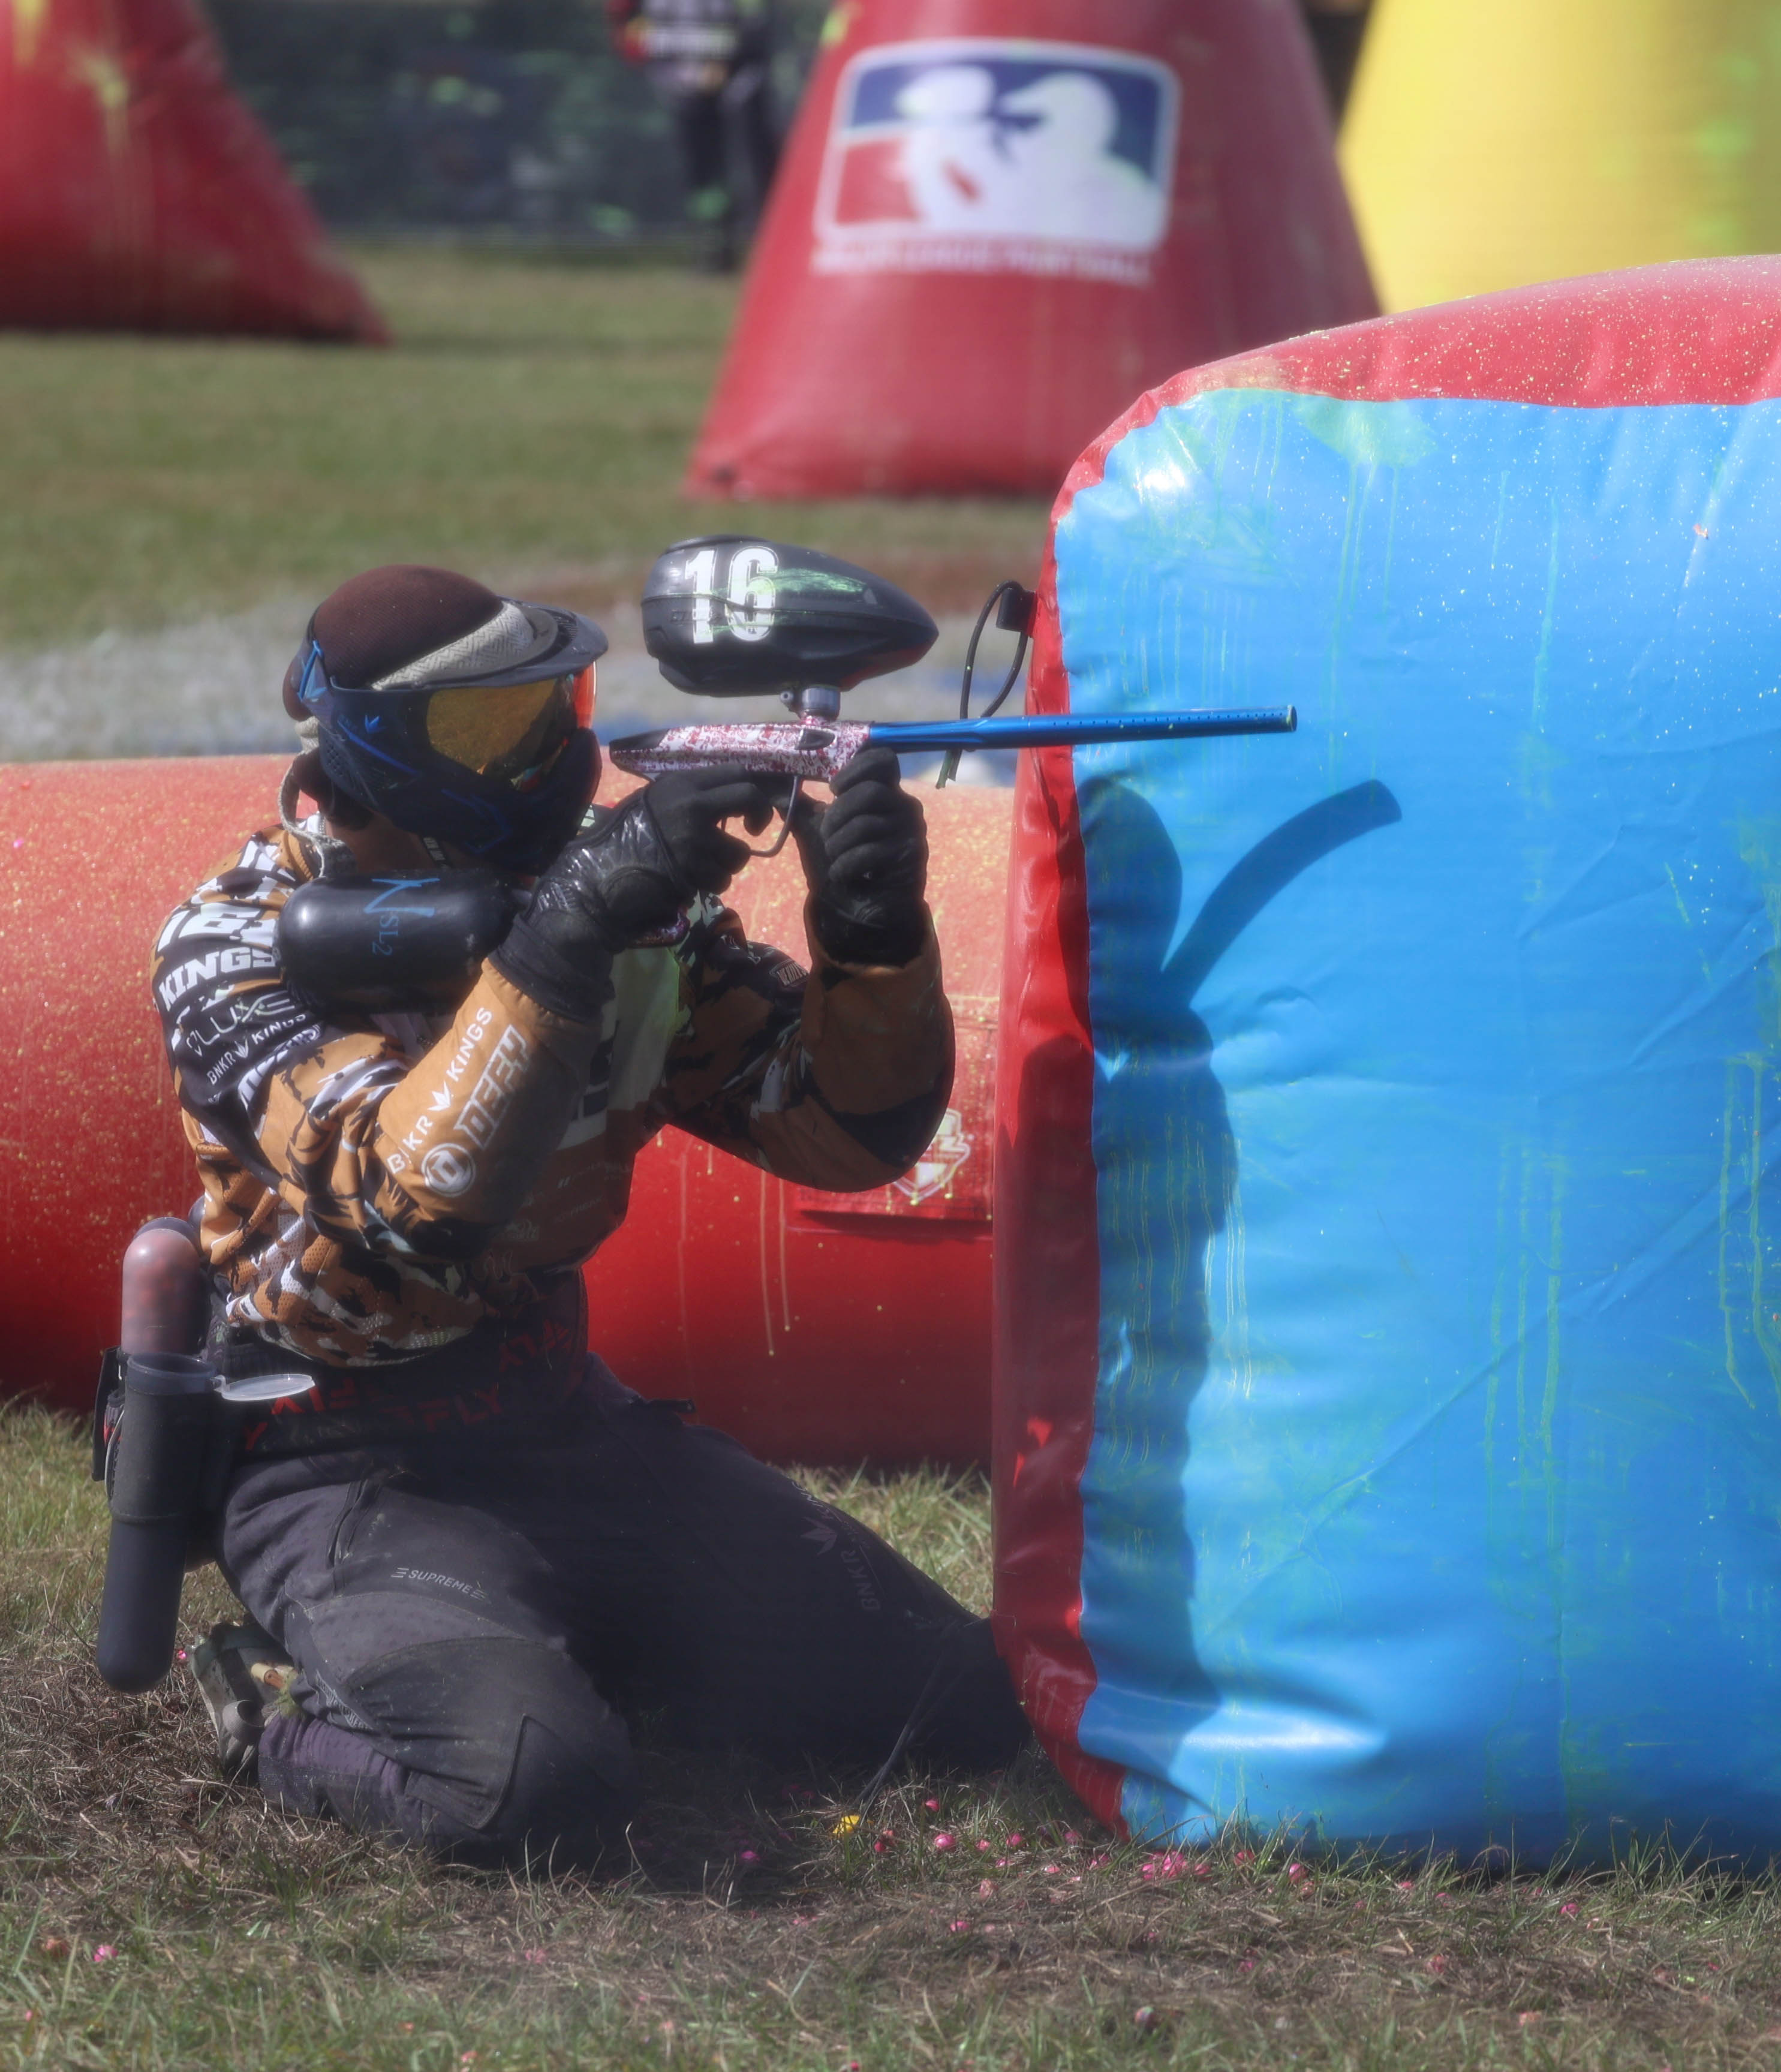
<point>972,155</point>
<point>950,159</point>
<point>1050,174</point>
<point>1068,179</point>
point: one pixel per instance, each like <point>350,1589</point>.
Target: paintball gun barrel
<point>732,616</point>
<point>816,748</point>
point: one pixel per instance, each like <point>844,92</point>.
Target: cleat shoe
<point>242,1674</point>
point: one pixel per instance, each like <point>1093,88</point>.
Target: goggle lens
<point>514,733</point>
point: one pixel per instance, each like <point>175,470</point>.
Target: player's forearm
<point>431,1157</point>
<point>879,1041</point>
<point>465,1135</point>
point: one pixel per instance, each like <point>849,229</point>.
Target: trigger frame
<point>785,813</point>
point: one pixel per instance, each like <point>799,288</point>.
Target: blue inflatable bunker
<point>1389,1372</point>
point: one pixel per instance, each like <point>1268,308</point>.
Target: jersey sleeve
<point>384,1140</point>
<point>836,1077</point>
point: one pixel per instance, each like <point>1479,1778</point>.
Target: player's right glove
<point>624,881</point>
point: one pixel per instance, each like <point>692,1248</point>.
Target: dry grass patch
<point>154,1918</point>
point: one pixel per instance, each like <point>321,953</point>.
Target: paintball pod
<point>729,616</point>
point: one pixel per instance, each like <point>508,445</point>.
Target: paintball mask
<point>483,741</point>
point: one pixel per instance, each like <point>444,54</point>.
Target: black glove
<point>623,880</point>
<point>868,863</point>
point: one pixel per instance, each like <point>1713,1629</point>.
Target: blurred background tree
<point>510,116</point>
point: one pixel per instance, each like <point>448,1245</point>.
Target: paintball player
<point>710,62</point>
<point>473,1547</point>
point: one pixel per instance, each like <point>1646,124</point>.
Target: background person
<point>710,60</point>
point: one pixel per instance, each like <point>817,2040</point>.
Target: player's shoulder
<point>267,868</point>
<point>237,901</point>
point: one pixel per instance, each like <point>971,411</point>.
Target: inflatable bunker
<point>997,219</point>
<point>138,192</point>
<point>815,1327</point>
<point>1388,1362</point>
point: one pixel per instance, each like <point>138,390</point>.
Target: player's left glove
<point>868,865</point>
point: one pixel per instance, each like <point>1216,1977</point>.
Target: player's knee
<point>569,1798</point>
<point>512,1757</point>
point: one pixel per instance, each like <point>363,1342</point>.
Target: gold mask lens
<point>503,733</point>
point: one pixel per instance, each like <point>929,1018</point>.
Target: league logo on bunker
<point>996,220</point>
<point>981,155</point>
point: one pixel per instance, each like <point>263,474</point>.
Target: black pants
<point>735,122</point>
<point>471,1619</point>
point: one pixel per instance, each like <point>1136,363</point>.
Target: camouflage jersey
<point>379,1186</point>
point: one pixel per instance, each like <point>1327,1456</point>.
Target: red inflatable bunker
<point>137,192</point>
<point>997,220</point>
<point>815,1327</point>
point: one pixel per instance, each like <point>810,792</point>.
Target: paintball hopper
<point>730,616</point>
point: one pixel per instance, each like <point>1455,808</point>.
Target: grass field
<point>531,422</point>
<point>151,1917</point>
<point>531,425</point>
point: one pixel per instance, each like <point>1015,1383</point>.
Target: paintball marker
<point>729,616</point>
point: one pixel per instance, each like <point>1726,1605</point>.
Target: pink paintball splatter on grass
<point>1568,1910</point>
<point>104,1952</point>
<point>944,1843</point>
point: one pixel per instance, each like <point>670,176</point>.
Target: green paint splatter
<point>1370,436</point>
